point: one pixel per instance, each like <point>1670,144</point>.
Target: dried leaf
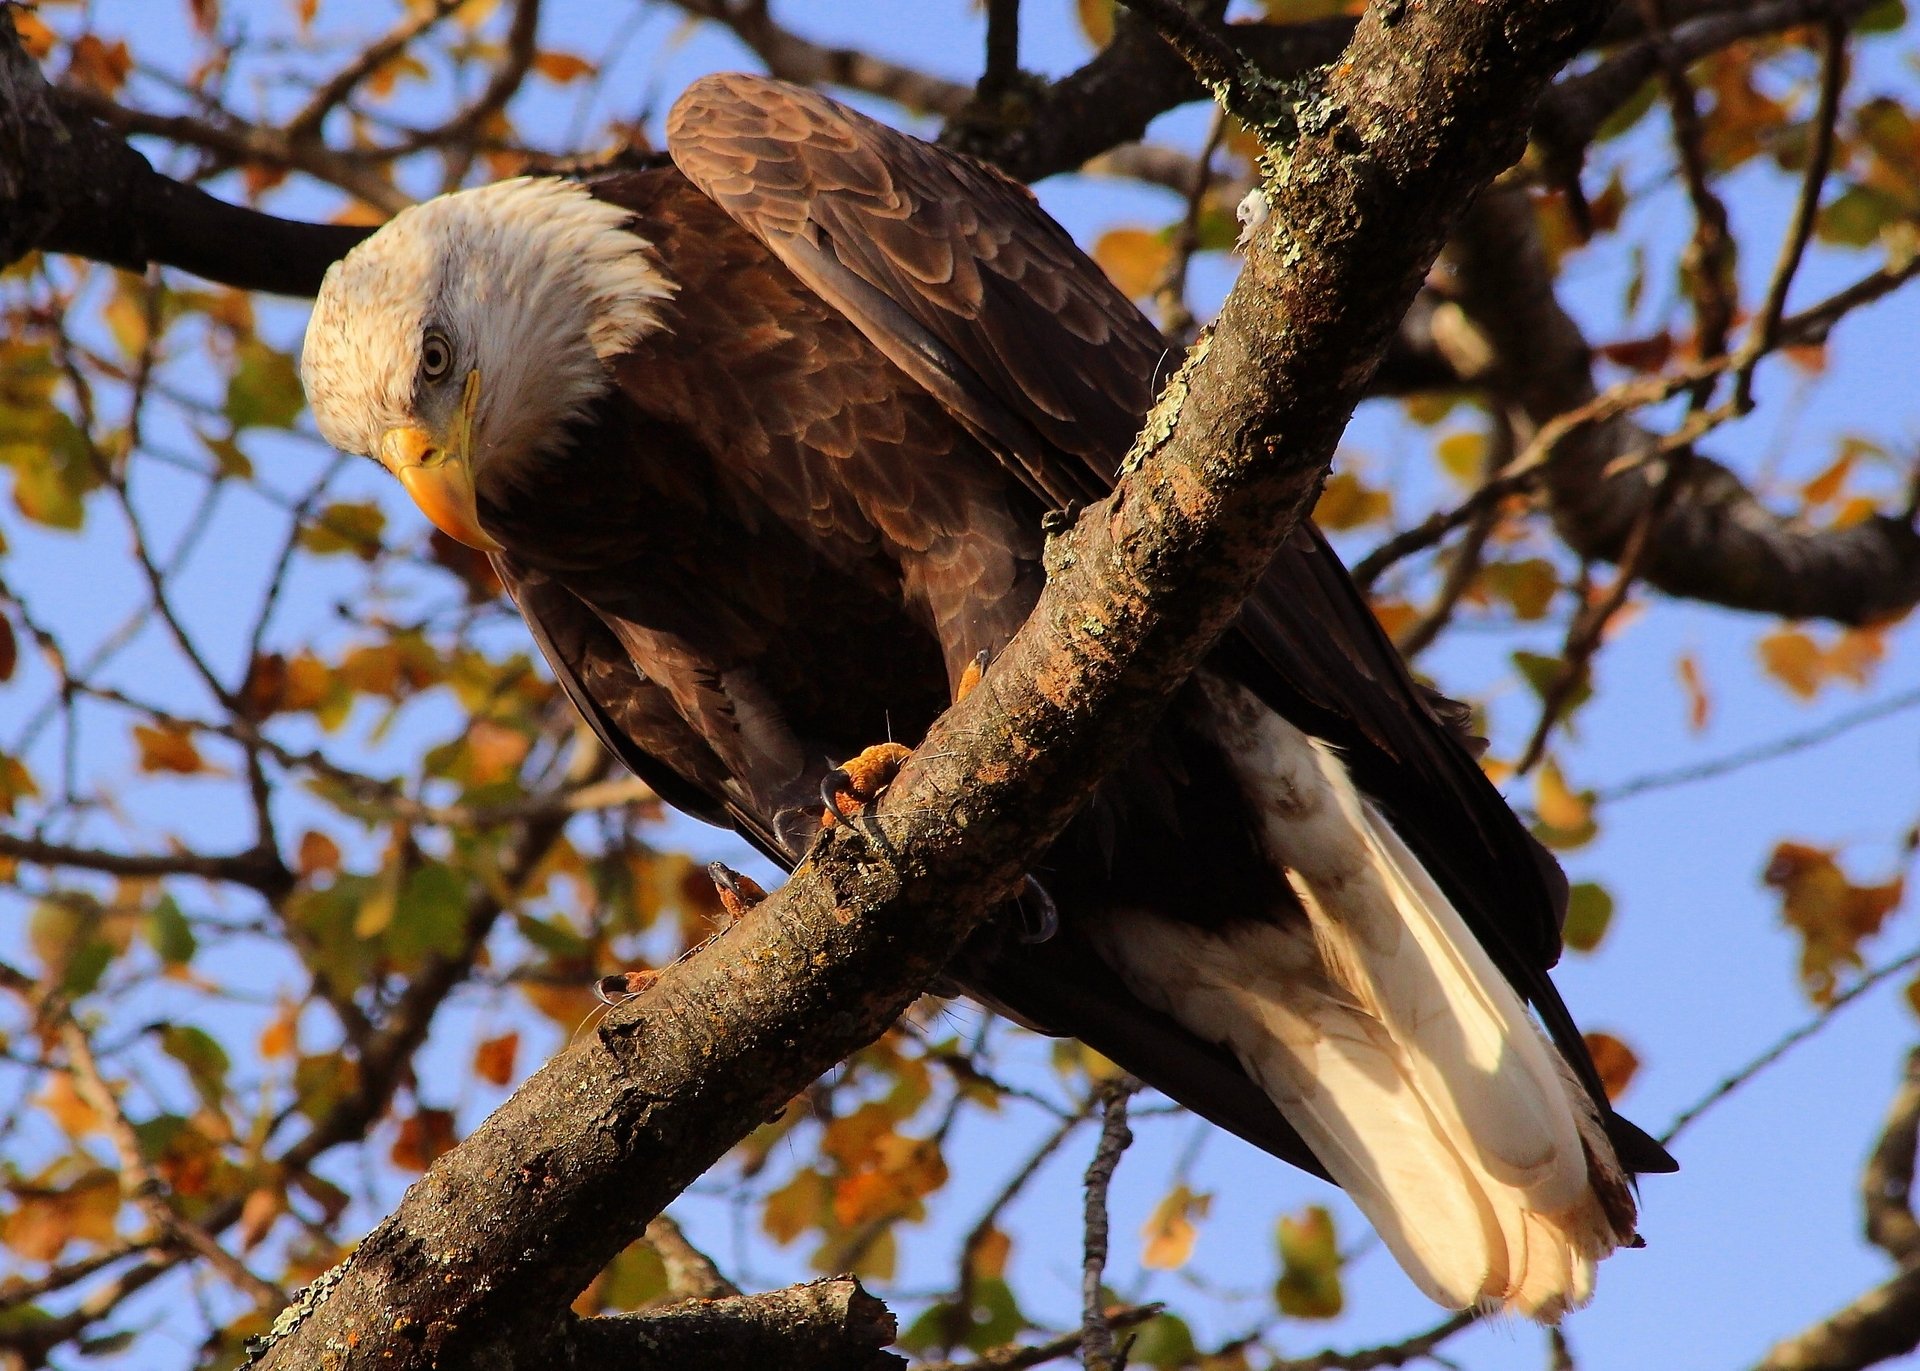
<point>423,1136</point>
<point>318,855</point>
<point>62,1101</point>
<point>562,67</point>
<point>99,65</point>
<point>1794,659</point>
<point>35,36</point>
<point>1614,1060</point>
<point>1137,259</point>
<point>167,747</point>
<point>1170,1231</point>
<point>1699,705</point>
<point>1832,915</point>
<point>9,649</point>
<point>493,1059</point>
<point>262,1206</point>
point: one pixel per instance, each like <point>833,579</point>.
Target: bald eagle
<point>804,397</point>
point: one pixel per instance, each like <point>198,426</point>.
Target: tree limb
<point>825,1325</point>
<point>1716,542</point>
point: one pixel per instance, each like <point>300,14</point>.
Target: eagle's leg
<point>853,785</point>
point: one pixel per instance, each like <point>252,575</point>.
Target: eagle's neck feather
<point>555,285</point>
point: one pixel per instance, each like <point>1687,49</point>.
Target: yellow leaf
<point>1345,502</point>
<point>1096,20</point>
<point>167,748</point>
<point>1463,456</point>
<point>381,83</point>
<point>1855,653</point>
<point>1557,803</point>
<point>1832,915</point>
<point>1309,1285</point>
<point>1170,1231</point>
<point>281,1037</point>
<point>797,1206</point>
<point>1614,1060</point>
<point>1135,258</point>
<point>61,1100</point>
<point>562,67</point>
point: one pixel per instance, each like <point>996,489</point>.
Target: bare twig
<point>691,1273</point>
<point>1415,1348</point>
<point>1762,752</point>
<point>1880,974</point>
<point>1097,1351</point>
<point>1766,329</point>
<point>1017,1357</point>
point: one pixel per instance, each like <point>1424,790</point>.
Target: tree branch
<point>1716,542</point>
<point>825,1325</point>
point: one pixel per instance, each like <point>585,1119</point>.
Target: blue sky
<point>1758,1235</point>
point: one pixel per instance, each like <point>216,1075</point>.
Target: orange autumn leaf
<point>1137,259</point>
<point>1832,915</point>
<point>493,1059</point>
<point>423,1136</point>
<point>1614,1060</point>
<point>99,65</point>
<point>167,748</point>
<point>562,67</point>
<point>1699,704</point>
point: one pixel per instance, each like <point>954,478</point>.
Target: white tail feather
<point>1387,1036</point>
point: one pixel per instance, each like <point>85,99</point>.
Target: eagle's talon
<point>737,893</point>
<point>622,985</point>
<point>849,788</point>
<point>1039,927</point>
<point>971,676</point>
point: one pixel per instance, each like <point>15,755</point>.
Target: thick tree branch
<point>1716,542</point>
<point>70,184</point>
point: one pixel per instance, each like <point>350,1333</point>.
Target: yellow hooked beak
<point>439,474</point>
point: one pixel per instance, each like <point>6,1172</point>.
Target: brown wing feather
<point>960,279</point>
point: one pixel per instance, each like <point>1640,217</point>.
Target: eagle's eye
<point>436,355</point>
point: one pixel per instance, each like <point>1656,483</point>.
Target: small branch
<point>1002,67</point>
<point>1763,752</point>
<point>1886,1187</point>
<point>1017,1357</point>
<point>691,1274</point>
<point>1416,1348</point>
<point>504,84</point>
<point>1097,1352</point>
<point>825,1325</point>
<point>256,869</point>
<point>1766,329</point>
<point>333,92</point>
<point>1687,1117</point>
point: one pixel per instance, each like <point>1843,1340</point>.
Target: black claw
<point>832,786</point>
<point>622,985</point>
<point>1040,925</point>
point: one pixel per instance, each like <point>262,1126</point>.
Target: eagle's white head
<point>461,338</point>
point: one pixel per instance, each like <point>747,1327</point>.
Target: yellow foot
<point>738,893</point>
<point>852,786</point>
